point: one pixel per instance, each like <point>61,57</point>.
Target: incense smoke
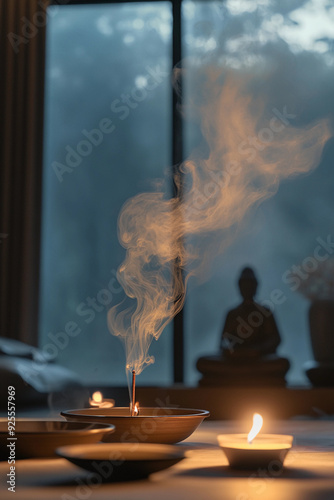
<point>252,147</point>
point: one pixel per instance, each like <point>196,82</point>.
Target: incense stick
<point>133,393</point>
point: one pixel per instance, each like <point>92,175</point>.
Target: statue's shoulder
<point>266,310</point>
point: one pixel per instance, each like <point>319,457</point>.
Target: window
<point>288,58</point>
<point>108,134</point>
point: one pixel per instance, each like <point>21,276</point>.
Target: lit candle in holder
<point>97,401</point>
<point>252,451</point>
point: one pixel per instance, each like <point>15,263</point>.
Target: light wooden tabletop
<point>203,475</point>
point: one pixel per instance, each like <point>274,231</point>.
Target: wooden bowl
<point>152,425</point>
<point>122,461</point>
<point>40,438</point>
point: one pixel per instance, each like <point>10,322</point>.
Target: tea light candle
<point>252,451</point>
<point>97,401</point>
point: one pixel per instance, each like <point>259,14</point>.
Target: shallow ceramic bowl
<point>152,425</point>
<point>267,450</point>
<point>122,461</point>
<point>40,438</point>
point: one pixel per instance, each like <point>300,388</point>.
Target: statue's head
<point>247,283</point>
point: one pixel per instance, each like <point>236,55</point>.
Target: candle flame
<point>97,397</point>
<point>98,401</point>
<point>136,409</point>
<point>257,426</point>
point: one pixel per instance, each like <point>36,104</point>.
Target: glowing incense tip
<point>133,393</point>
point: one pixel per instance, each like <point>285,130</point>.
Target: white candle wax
<point>263,450</point>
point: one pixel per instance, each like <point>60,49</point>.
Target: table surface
<point>204,475</point>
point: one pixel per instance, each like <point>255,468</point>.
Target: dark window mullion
<point>177,146</point>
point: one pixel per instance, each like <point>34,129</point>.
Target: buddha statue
<point>248,344</point>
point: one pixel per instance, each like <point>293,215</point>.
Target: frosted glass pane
<point>289,60</point>
<point>107,136</point>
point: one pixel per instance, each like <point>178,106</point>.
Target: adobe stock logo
<point>87,311</point>
<point>121,109</point>
<point>30,26</point>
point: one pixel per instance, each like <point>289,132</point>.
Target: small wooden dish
<point>152,425</point>
<point>122,461</point>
